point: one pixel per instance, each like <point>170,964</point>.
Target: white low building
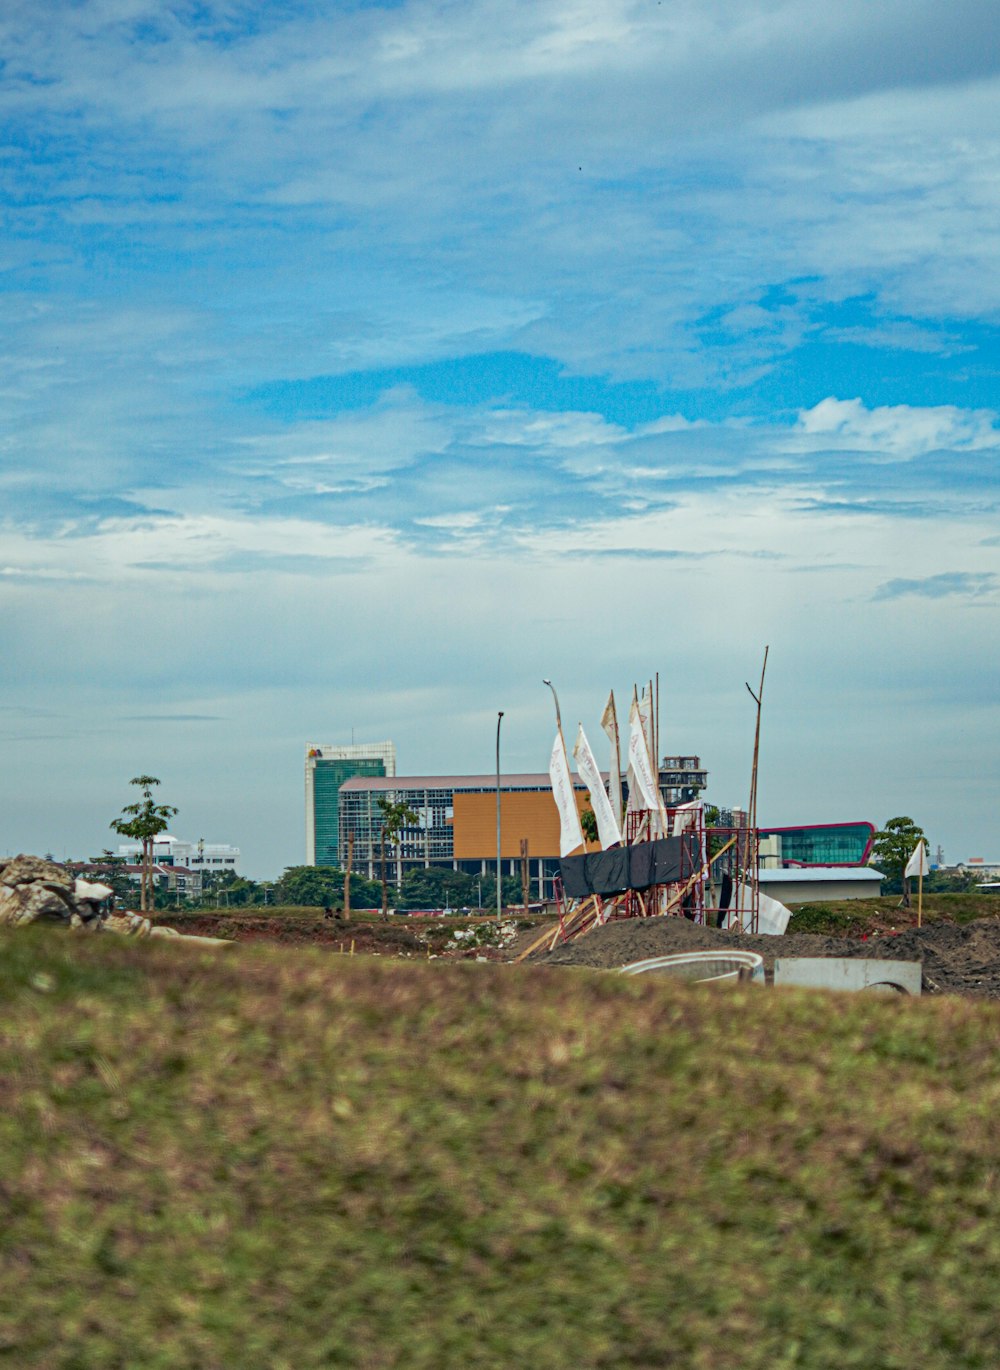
<point>204,858</point>
<point>806,884</point>
<point>982,870</point>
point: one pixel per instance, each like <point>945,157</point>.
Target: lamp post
<point>556,698</point>
<point>499,717</point>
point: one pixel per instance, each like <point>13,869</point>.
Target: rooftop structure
<point>682,778</point>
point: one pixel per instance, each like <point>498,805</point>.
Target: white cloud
<point>679,192</point>
<point>553,431</point>
<point>385,437</point>
<point>900,337</point>
<point>899,431</point>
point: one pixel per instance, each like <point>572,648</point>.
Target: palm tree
<point>396,815</point>
<point>144,823</point>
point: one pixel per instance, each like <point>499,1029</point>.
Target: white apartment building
<point>207,858</point>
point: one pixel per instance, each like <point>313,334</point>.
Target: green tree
<point>111,871</point>
<point>436,887</point>
<point>893,847</point>
<point>950,882</point>
<point>143,822</point>
<point>588,822</point>
<point>312,887</point>
<point>396,815</point>
<point>318,887</point>
<point>510,890</point>
<point>365,893</point>
<point>716,840</point>
<point>226,887</point>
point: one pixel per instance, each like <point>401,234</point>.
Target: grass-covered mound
<point>857,917</point>
<point>288,1159</point>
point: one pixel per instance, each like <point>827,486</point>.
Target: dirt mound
<point>956,958</point>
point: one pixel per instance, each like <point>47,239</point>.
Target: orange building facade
<point>524,814</point>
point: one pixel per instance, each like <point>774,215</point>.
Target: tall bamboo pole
<point>656,732</point>
<point>752,855</point>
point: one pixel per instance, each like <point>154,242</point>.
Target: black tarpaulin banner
<point>663,862</point>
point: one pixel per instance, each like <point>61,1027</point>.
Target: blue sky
<point>364,364</point>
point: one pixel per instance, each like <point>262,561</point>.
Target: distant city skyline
<point>364,364</point>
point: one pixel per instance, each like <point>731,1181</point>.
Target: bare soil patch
<point>956,958</point>
<point>337,935</point>
<point>400,937</point>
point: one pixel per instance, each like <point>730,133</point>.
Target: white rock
<point>91,893</point>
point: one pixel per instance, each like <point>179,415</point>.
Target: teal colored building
<point>327,768</point>
<point>817,844</point>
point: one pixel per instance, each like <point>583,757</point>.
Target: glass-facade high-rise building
<point>327,767</point>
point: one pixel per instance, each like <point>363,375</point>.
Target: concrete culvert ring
<point>702,967</point>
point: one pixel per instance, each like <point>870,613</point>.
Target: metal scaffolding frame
<point>719,858</point>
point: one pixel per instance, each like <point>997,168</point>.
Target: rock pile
<point>34,890</point>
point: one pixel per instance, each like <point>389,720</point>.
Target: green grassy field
<point>282,1158</point>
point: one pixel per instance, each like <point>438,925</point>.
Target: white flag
<point>648,719</point>
<point>635,800</point>
<point>917,864</point>
<point>687,817</point>
<point>570,831</point>
<point>607,824</point>
<point>772,916</point>
<point>640,766</point>
<point>609,722</point>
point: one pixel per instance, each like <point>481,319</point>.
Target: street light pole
<point>499,717</point>
<point>556,698</point>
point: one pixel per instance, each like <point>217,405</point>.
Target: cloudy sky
<point>365,363</point>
